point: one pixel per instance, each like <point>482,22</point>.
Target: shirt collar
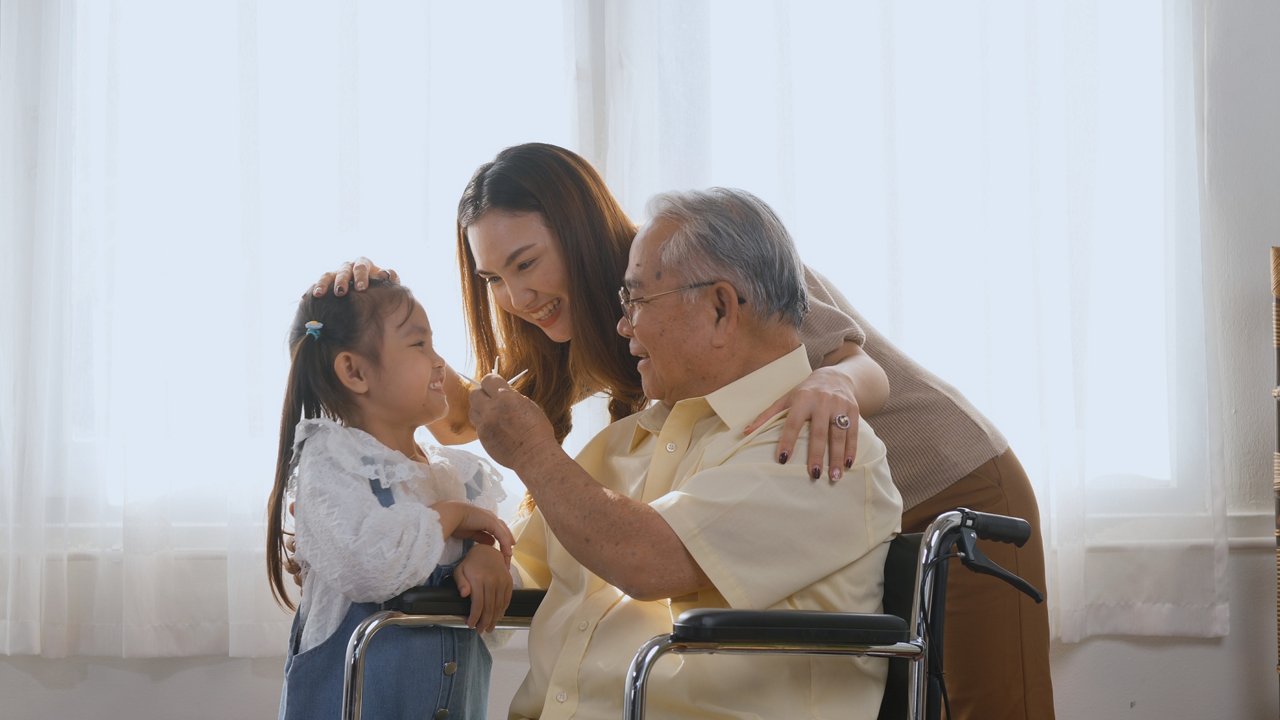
<point>737,403</point>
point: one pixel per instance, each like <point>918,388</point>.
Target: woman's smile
<point>520,261</point>
<point>546,315</point>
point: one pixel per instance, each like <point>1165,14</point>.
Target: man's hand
<point>483,576</point>
<point>511,427</point>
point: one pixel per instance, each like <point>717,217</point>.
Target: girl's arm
<point>483,576</point>
<point>367,551</point>
<point>469,522</point>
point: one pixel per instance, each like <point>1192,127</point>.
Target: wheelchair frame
<point>709,631</point>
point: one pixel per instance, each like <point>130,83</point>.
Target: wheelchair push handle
<point>973,525</point>
<point>1000,528</point>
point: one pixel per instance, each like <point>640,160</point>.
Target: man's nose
<point>624,326</point>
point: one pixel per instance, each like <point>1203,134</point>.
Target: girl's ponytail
<point>298,397</point>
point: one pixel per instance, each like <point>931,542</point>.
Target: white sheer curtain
<point>174,175</point>
<point>1008,192</point>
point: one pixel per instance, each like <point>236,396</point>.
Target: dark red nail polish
<point>848,463</point>
<point>815,472</point>
<point>783,457</point>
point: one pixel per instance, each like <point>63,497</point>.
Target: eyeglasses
<point>629,303</point>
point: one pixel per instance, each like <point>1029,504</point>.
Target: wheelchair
<point>908,632</point>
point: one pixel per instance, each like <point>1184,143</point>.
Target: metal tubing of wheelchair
<point>931,552</point>
<point>902,650</point>
<point>358,645</point>
<point>353,675</point>
<point>635,692</point>
<point>915,650</point>
<point>638,676</point>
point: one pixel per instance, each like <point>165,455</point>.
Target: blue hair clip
<point>313,328</point>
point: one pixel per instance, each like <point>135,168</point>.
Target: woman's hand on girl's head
<point>821,400</point>
<point>349,273</point>
<point>483,576</point>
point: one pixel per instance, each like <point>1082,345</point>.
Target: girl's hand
<point>822,399</point>
<point>291,565</point>
<point>360,271</point>
<point>468,522</point>
<point>483,576</point>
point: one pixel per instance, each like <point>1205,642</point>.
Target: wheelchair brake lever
<point>977,561</point>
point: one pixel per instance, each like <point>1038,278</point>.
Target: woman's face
<point>520,260</point>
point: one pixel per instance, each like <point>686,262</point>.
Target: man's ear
<point>352,372</point>
<point>728,313</point>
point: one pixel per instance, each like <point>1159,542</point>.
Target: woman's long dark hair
<point>595,236</point>
<point>353,322</point>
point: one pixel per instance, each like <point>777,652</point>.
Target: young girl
<point>375,514</point>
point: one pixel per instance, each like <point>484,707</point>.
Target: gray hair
<point>729,234</point>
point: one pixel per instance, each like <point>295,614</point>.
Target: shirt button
<point>671,447</point>
<point>582,625</point>
<point>561,697</point>
<point>441,714</point>
<point>450,667</point>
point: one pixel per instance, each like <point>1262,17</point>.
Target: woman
<point>541,237</point>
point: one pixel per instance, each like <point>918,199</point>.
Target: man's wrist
<point>539,462</point>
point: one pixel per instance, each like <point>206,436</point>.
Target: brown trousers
<point>996,655</point>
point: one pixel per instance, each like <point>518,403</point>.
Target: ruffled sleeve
<point>355,451</point>
<point>482,481</point>
<point>366,550</point>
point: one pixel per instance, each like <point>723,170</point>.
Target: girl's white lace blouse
<point>352,548</point>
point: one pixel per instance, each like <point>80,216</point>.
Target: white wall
<point>1104,678</point>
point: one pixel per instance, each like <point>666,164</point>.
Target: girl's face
<point>520,260</point>
<point>407,385</point>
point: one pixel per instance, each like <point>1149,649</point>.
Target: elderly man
<point>675,508</point>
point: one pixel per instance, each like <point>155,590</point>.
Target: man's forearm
<point>624,542</point>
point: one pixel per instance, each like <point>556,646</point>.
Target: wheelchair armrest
<point>788,627</point>
<point>445,600</point>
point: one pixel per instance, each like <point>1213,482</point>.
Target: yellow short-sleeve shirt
<point>765,534</point>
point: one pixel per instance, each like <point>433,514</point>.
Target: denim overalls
<point>422,672</point>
